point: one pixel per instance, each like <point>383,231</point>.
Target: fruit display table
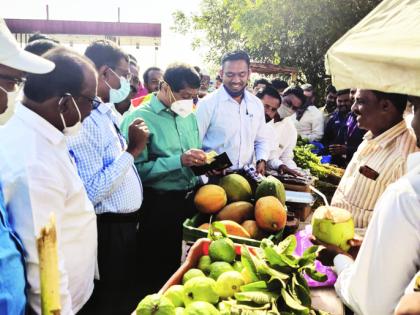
<point>323,298</point>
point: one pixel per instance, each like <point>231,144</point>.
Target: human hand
<point>138,134</point>
<point>337,149</point>
<point>409,304</point>
<point>328,253</point>
<point>283,169</point>
<point>193,157</point>
<point>261,167</point>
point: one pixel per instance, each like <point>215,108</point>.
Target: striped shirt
<point>387,155</point>
<point>107,170</point>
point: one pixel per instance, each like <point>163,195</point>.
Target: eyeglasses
<point>128,75</point>
<point>94,101</point>
<point>17,81</point>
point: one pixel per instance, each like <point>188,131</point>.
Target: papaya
<point>204,226</point>
<point>237,188</point>
<point>271,186</point>
<point>238,211</point>
<point>252,228</point>
<point>270,214</point>
<point>234,228</point>
<point>210,199</point>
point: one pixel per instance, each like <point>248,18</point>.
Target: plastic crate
<point>191,233</point>
<point>200,248</point>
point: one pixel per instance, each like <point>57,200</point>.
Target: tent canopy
<point>382,52</point>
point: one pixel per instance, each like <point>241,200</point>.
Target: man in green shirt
<point>164,168</point>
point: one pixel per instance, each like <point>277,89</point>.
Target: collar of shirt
<point>105,107</point>
<point>224,96</point>
<point>156,105</point>
<point>388,136</point>
<point>39,124</point>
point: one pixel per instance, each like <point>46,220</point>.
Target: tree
<point>286,32</point>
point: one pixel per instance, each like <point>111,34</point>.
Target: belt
<point>119,217</point>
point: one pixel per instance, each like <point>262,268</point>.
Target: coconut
<point>333,225</point>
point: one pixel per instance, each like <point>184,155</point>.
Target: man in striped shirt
<point>380,159</point>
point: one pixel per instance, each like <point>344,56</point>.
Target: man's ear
<point>386,105</point>
<point>102,71</point>
<point>63,103</point>
<point>221,73</point>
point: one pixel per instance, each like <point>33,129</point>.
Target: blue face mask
<point>117,96</point>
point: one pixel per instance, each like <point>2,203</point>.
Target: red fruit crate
<point>200,248</point>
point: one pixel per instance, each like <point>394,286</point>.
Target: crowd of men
<point>112,156</point>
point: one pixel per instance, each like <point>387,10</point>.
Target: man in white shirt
<point>231,119</point>
<point>39,178</point>
<point>309,120</point>
<point>284,133</point>
<point>389,257</point>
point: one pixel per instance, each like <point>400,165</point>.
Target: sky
<point>174,47</point>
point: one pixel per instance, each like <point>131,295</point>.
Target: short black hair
<point>38,36</point>
<point>398,100</point>
<point>279,84</point>
<point>270,91</point>
<point>236,55</point>
<point>342,92</point>
<point>331,89</point>
<point>40,46</point>
<point>148,70</point>
<point>219,78</point>
<point>296,91</point>
<point>261,81</point>
<point>67,76</point>
<point>104,52</point>
<point>180,76</point>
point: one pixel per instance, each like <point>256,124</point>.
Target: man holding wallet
<point>165,169</point>
<point>381,158</point>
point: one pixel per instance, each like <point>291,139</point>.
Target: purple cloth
<point>303,242</point>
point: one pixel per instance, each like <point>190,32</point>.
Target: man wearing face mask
<point>232,120</point>
<point>106,165</point>
<point>165,168</point>
<point>14,62</point>
<point>277,112</point>
<point>39,178</point>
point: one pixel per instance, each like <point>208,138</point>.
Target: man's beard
<point>233,93</point>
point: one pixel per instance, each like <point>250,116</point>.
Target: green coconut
<point>333,225</point>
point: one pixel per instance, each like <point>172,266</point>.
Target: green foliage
<point>272,291</point>
<point>286,32</point>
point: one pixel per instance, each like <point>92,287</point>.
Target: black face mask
<point>235,94</point>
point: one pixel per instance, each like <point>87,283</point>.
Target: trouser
<point>116,291</point>
<point>160,236</point>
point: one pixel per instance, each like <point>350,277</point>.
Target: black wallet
<point>220,162</point>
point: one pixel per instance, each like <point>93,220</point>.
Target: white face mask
<point>117,96</point>
<point>182,108</point>
<point>75,129</point>
<point>11,97</point>
<point>285,111</point>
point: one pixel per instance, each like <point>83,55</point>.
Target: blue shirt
<point>12,268</point>
<point>107,170</point>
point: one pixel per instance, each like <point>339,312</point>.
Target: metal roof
<point>27,26</point>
